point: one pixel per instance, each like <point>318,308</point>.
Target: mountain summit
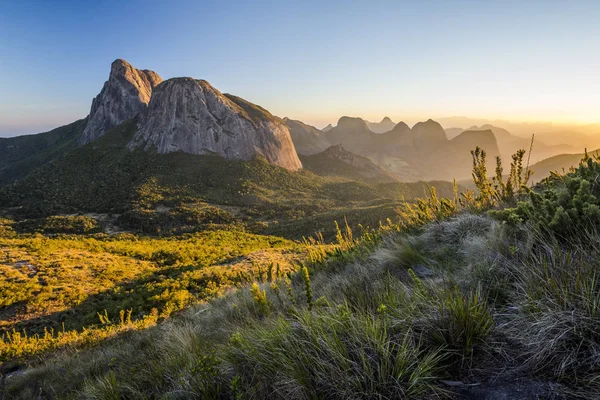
<point>125,94</point>
<point>187,115</point>
<point>385,125</point>
<point>190,115</point>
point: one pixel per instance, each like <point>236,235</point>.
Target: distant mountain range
<point>190,116</point>
<point>385,125</point>
<point>409,154</point>
<point>560,163</point>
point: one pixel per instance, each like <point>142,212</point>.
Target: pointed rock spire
<point>125,94</point>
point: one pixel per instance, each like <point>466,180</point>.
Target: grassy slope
<point>510,309</point>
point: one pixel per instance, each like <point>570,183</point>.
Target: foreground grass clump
<point>336,353</point>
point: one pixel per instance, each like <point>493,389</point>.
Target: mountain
<point>125,95</point>
<point>394,141</point>
<point>427,135</point>
<point>21,154</point>
<point>327,128</point>
<point>560,163</point>
<point>307,139</point>
<point>385,125</point>
<point>351,132</point>
<point>420,152</point>
<point>191,116</point>
<point>453,132</point>
<point>356,138</point>
<point>508,144</point>
<point>452,158</point>
<point>336,161</point>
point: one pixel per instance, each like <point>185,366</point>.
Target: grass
<point>61,283</point>
<point>370,326</point>
<point>453,296</point>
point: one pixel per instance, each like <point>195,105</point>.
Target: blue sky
<point>310,60</point>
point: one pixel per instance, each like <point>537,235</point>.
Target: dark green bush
<point>566,206</point>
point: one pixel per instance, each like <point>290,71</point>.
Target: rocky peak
<point>483,138</point>
<point>385,125</point>
<point>327,128</point>
<point>428,134</point>
<point>190,115</point>
<point>124,95</point>
<point>401,128</point>
<point>352,123</point>
<point>352,132</point>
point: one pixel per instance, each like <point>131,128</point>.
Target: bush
<point>71,224</point>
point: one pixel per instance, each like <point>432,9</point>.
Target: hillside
<point>335,161</point>
<point>307,139</point>
<point>20,155</point>
<point>449,301</point>
<point>560,163</point>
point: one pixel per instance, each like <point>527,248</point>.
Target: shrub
<point>566,206</point>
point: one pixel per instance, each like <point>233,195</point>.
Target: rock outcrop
<point>125,95</point>
<point>191,116</point>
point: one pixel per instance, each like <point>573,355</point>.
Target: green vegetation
<point>450,293</point>
<point>62,283</point>
<point>22,154</point>
<point>568,205</point>
<point>177,193</point>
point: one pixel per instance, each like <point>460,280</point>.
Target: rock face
<point>190,115</point>
<point>125,95</point>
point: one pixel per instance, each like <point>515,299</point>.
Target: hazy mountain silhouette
<point>559,163</point>
<point>336,161</point>
<point>327,128</point>
<point>508,144</point>
<point>307,139</point>
<point>385,125</point>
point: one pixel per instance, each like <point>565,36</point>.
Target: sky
<point>311,60</point>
